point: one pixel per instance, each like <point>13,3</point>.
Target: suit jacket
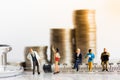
<point>105,56</point>
<point>78,57</point>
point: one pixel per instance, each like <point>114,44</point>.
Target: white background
<point>28,22</point>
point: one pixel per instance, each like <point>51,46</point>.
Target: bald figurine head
<point>78,50</point>
<point>30,50</point>
<point>105,50</point>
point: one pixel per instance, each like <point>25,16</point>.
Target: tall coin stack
<point>85,30</point>
<point>63,39</point>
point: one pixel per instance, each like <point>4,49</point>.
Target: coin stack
<point>85,30</point>
<point>63,39</point>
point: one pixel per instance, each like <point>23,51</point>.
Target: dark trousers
<point>77,62</point>
<point>35,63</point>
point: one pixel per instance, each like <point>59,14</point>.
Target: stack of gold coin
<point>85,30</point>
<point>63,39</point>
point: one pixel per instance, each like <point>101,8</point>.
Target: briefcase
<point>47,68</point>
